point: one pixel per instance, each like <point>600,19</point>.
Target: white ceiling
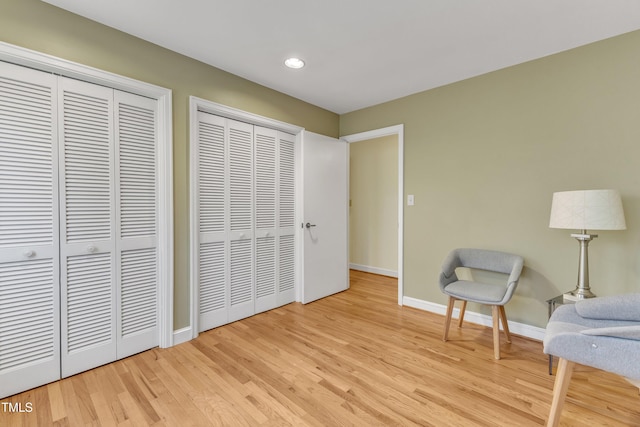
<point>363,52</point>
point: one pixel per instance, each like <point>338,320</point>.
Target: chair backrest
<point>482,259</point>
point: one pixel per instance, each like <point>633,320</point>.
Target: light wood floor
<point>355,358</point>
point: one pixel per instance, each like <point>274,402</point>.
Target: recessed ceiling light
<point>294,63</point>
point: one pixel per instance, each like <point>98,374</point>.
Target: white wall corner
<point>517,328</point>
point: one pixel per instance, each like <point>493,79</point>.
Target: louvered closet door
<point>274,216</point>
<point>241,297</point>
<point>265,216</point>
<point>245,219</point>
<point>212,219</point>
<point>136,243</point>
<point>88,225</point>
<point>29,284</point>
<point>286,218</point>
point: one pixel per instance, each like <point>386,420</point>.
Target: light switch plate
<point>410,200</point>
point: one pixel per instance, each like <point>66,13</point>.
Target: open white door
<point>325,173</point>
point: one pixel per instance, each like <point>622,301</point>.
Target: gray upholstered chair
<point>484,293</point>
<point>600,332</point>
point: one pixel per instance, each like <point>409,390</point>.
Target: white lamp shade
<point>587,210</point>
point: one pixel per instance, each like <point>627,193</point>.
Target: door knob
<point>309,225</point>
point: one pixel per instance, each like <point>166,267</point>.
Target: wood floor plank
<point>271,406</point>
<point>56,403</point>
<point>354,358</point>
<point>234,394</point>
<point>41,400</point>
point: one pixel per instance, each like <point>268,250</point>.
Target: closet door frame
<point>198,104</point>
<point>47,63</point>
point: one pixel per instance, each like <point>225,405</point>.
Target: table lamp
<point>586,210</point>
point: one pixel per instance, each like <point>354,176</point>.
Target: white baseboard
<point>182,335</point>
<point>517,328</point>
<point>374,270</point>
<point>634,382</point>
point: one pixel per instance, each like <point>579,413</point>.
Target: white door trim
<point>198,104</point>
<point>377,133</point>
<point>43,62</point>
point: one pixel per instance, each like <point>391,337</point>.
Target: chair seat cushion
<point>482,293</point>
<point>572,337</point>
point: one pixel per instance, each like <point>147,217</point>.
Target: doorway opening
<point>375,137</point>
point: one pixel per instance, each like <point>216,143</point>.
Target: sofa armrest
<point>618,307</point>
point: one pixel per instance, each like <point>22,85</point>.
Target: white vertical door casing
<point>212,273</point>
<point>241,243</point>
<point>29,264</point>
<point>325,163</point>
<point>88,226</point>
<point>136,243</point>
<point>286,219</point>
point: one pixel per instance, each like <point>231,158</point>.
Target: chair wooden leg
<point>463,309</point>
<point>505,325</point>
<point>496,331</point>
<point>560,387</point>
<point>447,320</point>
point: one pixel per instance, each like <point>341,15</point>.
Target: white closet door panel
<point>88,300</point>
<point>138,303</point>
<point>286,216</point>
<point>266,298</point>
<point>213,289</point>
<point>88,274</point>
<point>29,261</point>
<point>212,174</point>
<point>265,178</point>
<point>30,333</point>
<point>245,217</point>
<point>265,175</point>
<point>89,319</point>
<point>27,133</point>
<point>136,160</point>
<point>137,288</point>
<point>212,275</point>
<point>240,177</point>
<point>286,271</point>
<point>241,296</point>
<point>286,181</point>
<point>241,270</point>
<point>136,192</point>
<point>87,157</point>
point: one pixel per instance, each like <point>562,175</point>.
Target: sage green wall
<point>39,26</point>
<point>483,157</point>
<point>373,203</point>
